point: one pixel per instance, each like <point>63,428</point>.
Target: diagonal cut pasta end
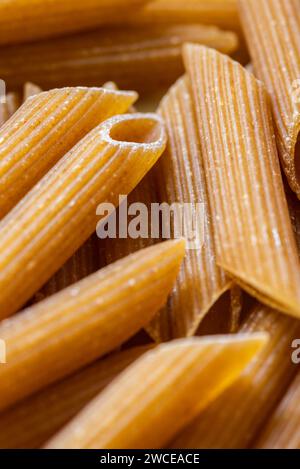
<point>160,393</point>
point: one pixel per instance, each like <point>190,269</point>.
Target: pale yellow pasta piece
<point>272,30</point>
<point>135,58</point>
<point>35,19</point>
<point>234,418</point>
<point>44,129</point>
<point>282,430</point>
<point>86,320</point>
<point>159,394</point>
<point>59,214</point>
<point>31,89</point>
<point>30,423</point>
<point>253,233</point>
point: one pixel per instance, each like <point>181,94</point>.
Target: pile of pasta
<point>143,343</point>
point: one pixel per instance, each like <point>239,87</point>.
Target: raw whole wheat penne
<point>30,423</point>
<point>253,233</point>
<point>233,419</point>
<point>113,249</point>
<point>272,30</point>
<point>223,13</point>
<point>30,89</point>
<point>29,20</point>
<point>72,328</point>
<point>159,394</point>
<point>180,179</point>
<point>44,129</point>
<point>135,58</point>
<point>84,262</point>
<point>59,214</point>
<point>282,429</point>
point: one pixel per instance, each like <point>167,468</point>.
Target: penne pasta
<point>223,13</point>
<point>282,429</point>
<point>30,423</point>
<point>84,262</point>
<point>135,58</point>
<point>253,233</point>
<point>59,214</point>
<point>111,249</point>
<point>44,129</point>
<point>85,321</point>
<point>233,419</point>
<point>180,179</point>
<point>30,89</point>
<point>272,30</point>
<point>147,404</point>
<point>36,19</point>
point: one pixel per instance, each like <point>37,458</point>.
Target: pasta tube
<point>282,429</point>
<point>157,395</point>
<point>135,58</point>
<point>85,321</point>
<point>84,262</point>
<point>254,238</point>
<point>223,13</point>
<point>35,19</point>
<point>272,30</point>
<point>180,179</point>
<point>30,423</point>
<point>244,407</point>
<point>59,214</point>
<point>44,129</point>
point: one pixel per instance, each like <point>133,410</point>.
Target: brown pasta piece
<point>30,423</point>
<point>223,13</point>
<point>253,233</point>
<point>72,328</point>
<point>135,58</point>
<point>282,429</point>
<point>159,394</point>
<point>36,19</point>
<point>59,214</point>
<point>234,418</point>
<point>180,179</point>
<point>272,30</point>
<point>44,129</point>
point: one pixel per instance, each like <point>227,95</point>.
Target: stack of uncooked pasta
<point>139,341</point>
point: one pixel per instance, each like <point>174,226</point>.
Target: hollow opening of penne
<point>149,230</point>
